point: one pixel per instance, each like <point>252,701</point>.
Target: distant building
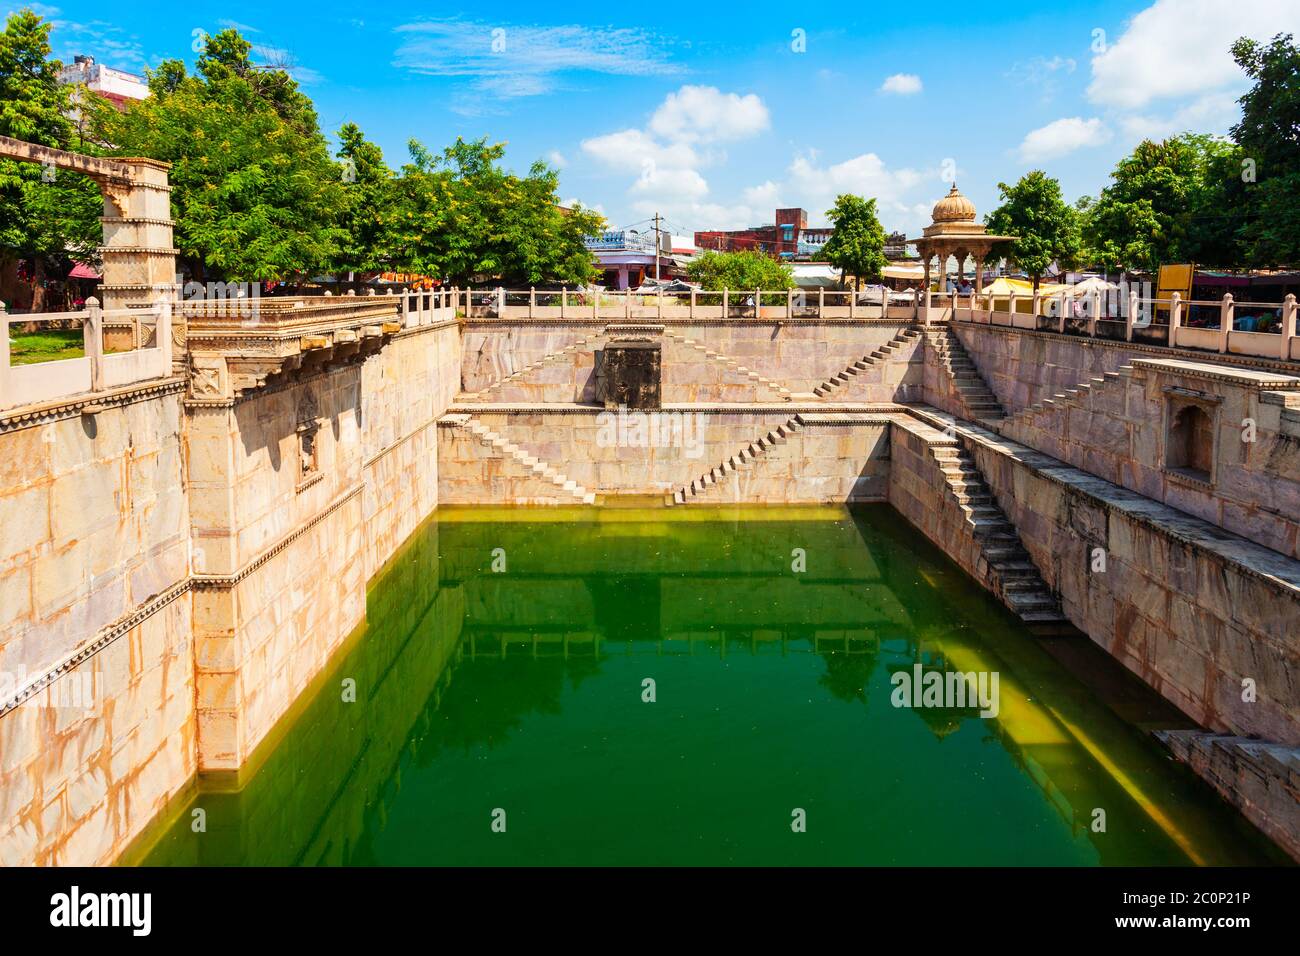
<point>780,240</point>
<point>116,86</point>
<point>811,243</point>
<point>626,257</point>
<point>789,237</point>
<point>896,247</point>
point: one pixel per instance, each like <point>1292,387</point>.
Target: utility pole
<point>657,245</point>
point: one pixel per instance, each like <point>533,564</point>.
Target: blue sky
<point>715,113</point>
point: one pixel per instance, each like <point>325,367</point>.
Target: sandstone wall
<point>283,553</point>
<point>834,458</point>
<point>1023,368</point>
<point>1117,429</point>
<point>918,490</point>
<point>1190,610</point>
<point>191,576</point>
<point>93,579</point>
<point>403,392</point>
<point>294,798</point>
<point>551,361</point>
<point>1258,778</point>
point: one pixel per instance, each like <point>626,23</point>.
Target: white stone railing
<point>96,370</point>
<point>1209,325</point>
<point>623,304</point>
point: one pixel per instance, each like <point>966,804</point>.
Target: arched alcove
<point>1189,444</point>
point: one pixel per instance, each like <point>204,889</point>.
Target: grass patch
<point>28,348</point>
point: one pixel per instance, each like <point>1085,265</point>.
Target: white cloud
<point>1042,74</point>
<point>236,25</point>
<point>556,159</point>
<point>508,62</point>
<point>628,149</point>
<point>42,10</point>
<point>902,84</point>
<point>668,153</point>
<point>107,42</point>
<point>1062,137</point>
<point>1211,113</point>
<point>670,185</point>
<point>866,175</point>
<point>1181,47</point>
<point>815,187</point>
<point>575,201</point>
<point>703,215</point>
<point>704,114</point>
<point>283,59</point>
<point>765,195</point>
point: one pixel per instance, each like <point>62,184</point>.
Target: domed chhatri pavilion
<point>954,232</point>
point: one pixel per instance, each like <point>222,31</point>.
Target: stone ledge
<point>845,418</point>
<point>1254,560</point>
<point>1259,778</point>
<point>57,409</point>
<point>223,581</point>
<point>1244,377</point>
<point>719,408</point>
<point>106,637</point>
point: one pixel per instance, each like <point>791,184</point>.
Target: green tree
<point>1177,200</point>
<point>366,215</point>
<point>47,216</point>
<point>1268,135</point>
<point>740,271</point>
<point>857,246</point>
<point>1046,227</point>
<point>255,192</point>
<point>461,216</point>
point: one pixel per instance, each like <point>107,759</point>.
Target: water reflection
<point>523,689</point>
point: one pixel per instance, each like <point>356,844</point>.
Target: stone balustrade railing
<point>1261,329</point>
<point>247,339</point>
<point>140,353</point>
<point>622,304</point>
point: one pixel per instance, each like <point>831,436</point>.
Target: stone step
<point>1038,600</point>
<point>1016,568</point>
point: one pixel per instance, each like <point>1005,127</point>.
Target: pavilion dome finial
<point>954,207</point>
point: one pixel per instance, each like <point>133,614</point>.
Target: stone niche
<point>630,374</point>
<point>1190,432</point>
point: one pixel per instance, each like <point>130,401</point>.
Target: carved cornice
<point>141,220</point>
<point>139,250</point>
<point>104,638</point>
<point>225,581</point>
<point>42,413</point>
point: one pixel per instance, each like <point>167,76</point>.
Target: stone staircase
<point>1075,396</point>
<point>1014,573</point>
<point>745,372</point>
<point>519,374</point>
<point>700,487</point>
<point>980,402</point>
<point>538,467</point>
<point>845,377</point>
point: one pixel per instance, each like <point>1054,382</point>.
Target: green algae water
<point>701,688</point>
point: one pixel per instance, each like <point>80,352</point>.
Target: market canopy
<point>893,271</point>
<point>1004,286</point>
